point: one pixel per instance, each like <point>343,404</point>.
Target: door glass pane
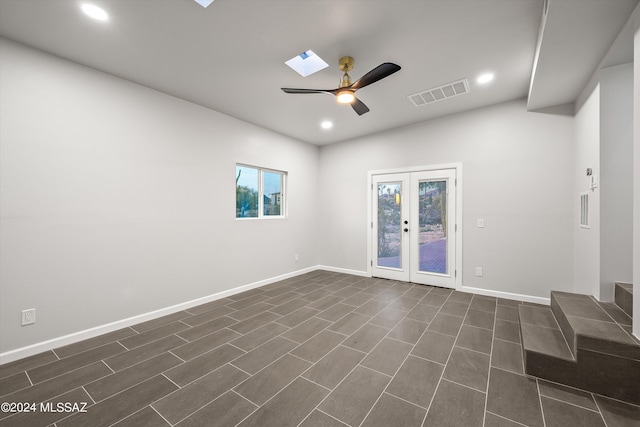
<point>432,220</point>
<point>272,193</point>
<point>246,192</point>
<point>389,224</point>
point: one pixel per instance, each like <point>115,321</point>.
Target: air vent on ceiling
<point>439,93</point>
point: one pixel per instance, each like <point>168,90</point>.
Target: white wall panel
<point>586,246</point>
<point>517,176</point>
<point>118,200</point>
<point>616,178</point>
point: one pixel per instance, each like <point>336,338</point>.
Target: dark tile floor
<point>322,349</point>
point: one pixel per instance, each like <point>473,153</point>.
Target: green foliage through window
<point>259,192</point>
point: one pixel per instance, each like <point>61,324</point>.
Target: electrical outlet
<point>479,271</point>
<point>480,222</point>
<point>28,317</point>
<point>296,257</point>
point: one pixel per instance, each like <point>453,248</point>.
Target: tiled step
<point>616,313</point>
<point>541,333</point>
<point>546,352</point>
<point>586,325</point>
<point>624,297</point>
<point>578,342</point>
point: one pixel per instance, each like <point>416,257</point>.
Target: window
<point>260,193</point>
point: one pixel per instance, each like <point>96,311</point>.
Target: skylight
<point>306,63</point>
<point>204,3</point>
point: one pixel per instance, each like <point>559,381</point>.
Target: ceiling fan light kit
<point>345,94</point>
<point>345,97</point>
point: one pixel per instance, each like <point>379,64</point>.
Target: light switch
<point>480,222</point>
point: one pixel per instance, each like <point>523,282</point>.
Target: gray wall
<point>517,175</point>
<point>636,171</point>
<point>118,200</point>
<point>616,178</point>
<point>604,142</point>
<point>607,139</point>
<point>586,241</point>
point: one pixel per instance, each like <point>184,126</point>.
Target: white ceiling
<point>230,56</point>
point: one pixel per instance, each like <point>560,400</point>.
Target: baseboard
<point>54,343</point>
<point>343,270</point>
<point>480,291</point>
<point>506,295</point>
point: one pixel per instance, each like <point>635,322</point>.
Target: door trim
<point>401,273</point>
<point>458,201</point>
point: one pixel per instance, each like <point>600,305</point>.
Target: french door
<point>414,227</point>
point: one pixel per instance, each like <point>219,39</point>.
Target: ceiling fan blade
<point>359,107</point>
<point>378,73</point>
<point>291,90</point>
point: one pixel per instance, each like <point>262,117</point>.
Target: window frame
<point>283,192</point>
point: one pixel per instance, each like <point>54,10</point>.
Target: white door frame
<point>394,273</point>
<point>458,202</point>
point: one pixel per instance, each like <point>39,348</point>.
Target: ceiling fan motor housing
<point>345,93</point>
<point>345,64</point>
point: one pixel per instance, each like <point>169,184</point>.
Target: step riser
<point>618,381</point>
<point>565,327</point>
<point>550,368</point>
<point>624,298</point>
<point>599,355</point>
<point>608,348</point>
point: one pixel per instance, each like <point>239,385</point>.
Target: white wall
<point>616,178</point>
<point>636,173</point>
<point>118,200</point>
<point>604,143</point>
<point>586,241</point>
<point>517,176</point>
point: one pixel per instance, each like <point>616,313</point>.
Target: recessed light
<point>326,124</point>
<point>485,78</point>
<point>94,12</point>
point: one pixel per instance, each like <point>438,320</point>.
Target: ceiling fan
<point>345,94</point>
